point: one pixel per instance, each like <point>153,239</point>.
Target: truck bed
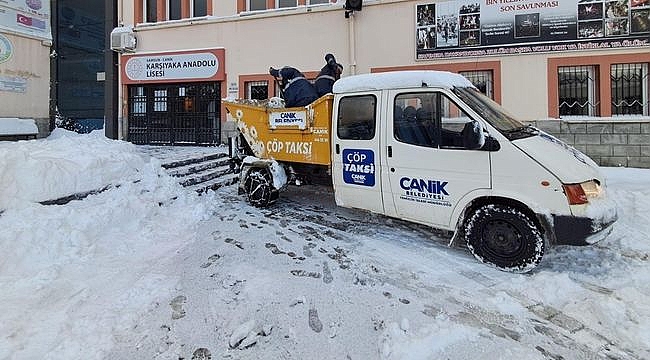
<point>295,135</point>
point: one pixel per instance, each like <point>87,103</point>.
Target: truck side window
<point>429,119</point>
<point>454,124</point>
<point>414,118</point>
<point>357,117</point>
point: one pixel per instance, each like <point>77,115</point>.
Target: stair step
<point>194,168</point>
<point>206,175</point>
<point>214,184</point>
<point>195,160</point>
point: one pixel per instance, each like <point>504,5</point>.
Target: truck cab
<point>428,147</point>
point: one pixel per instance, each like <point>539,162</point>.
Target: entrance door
<point>429,168</point>
<point>175,114</point>
<point>355,152</point>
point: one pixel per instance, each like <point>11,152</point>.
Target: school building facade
<point>578,69</point>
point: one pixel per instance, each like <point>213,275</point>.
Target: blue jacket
<point>328,75</point>
<point>298,91</point>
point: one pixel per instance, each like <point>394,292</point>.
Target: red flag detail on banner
<point>25,20</point>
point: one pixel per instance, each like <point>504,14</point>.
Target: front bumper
<point>572,230</point>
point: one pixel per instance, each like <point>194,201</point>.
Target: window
<point>429,119</point>
<point>199,8</point>
<point>174,8</point>
<point>257,90</point>
<point>629,89</point>
<point>482,79</point>
<point>578,90</point>
<point>314,2</point>
<point>138,100</point>
<point>256,5</point>
<point>356,118</point>
<point>286,3</point>
<point>160,100</point>
<point>151,9</point>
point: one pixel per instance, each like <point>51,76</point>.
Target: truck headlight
<point>579,194</point>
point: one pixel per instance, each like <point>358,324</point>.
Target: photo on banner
<point>463,28</point>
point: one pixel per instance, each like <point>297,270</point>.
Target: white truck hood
<point>568,164</point>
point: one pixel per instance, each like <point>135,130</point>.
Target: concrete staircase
<point>203,172</point>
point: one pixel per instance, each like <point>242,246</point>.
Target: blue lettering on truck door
<point>359,167</point>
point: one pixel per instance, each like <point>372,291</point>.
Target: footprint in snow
<point>177,307</point>
<point>327,273</point>
<point>314,321</point>
<point>306,251</point>
<point>312,274</point>
<point>201,354</point>
<point>234,242</point>
<point>211,260</point>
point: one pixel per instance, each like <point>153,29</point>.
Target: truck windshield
<point>493,113</point>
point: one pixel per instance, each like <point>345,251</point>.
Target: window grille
<point>138,100</point>
<point>483,80</point>
<point>160,100</point>
<point>256,5</point>
<point>257,90</point>
<point>578,91</point>
<point>629,89</point>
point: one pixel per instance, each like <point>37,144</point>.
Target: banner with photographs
<point>500,27</point>
<point>26,17</point>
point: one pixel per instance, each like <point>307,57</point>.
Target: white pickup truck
<point>428,147</point>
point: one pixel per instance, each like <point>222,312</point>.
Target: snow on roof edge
<point>400,80</point>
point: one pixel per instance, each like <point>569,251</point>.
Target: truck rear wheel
<point>505,237</point>
<point>259,188</point>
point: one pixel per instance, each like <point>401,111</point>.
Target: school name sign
<point>173,67</point>
<point>500,27</point>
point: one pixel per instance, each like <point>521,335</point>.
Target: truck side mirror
<point>473,137</point>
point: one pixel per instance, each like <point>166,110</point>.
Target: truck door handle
<point>390,151</point>
<point>338,150</point>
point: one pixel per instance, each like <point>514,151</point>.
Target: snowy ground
<point>149,270</point>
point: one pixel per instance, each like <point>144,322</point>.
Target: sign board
<point>463,28</point>
<point>359,167</point>
<point>172,67</point>
<point>288,118</point>
<point>26,17</point>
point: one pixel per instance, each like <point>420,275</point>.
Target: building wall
<point>608,142</point>
<point>29,66</point>
<point>381,37</point>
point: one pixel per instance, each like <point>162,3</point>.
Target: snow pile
<point>66,163</point>
<point>400,342</point>
<point>73,275</point>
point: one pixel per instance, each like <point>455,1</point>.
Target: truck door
<point>355,152</point>
<point>429,168</point>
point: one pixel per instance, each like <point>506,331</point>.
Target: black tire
<point>504,237</point>
<point>259,188</point>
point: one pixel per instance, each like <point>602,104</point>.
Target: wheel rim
<point>501,239</point>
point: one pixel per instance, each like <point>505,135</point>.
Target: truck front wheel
<point>505,237</point>
<point>259,188</point>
